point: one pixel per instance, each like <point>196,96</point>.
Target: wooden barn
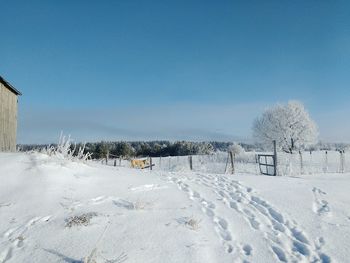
<point>8,116</point>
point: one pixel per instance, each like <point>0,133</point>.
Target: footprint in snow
<point>320,205</point>
<point>247,249</point>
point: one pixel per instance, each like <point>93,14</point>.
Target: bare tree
<point>290,125</point>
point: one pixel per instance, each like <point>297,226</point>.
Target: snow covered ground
<point>53,210</point>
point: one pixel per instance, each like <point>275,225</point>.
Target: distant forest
<point>148,148</point>
<point>167,148</point>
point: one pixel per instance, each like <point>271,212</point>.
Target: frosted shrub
<point>236,149</point>
<point>81,220</point>
<point>193,224</point>
<point>81,155</point>
<point>190,222</point>
<point>65,149</point>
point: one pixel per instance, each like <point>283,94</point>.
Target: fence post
<point>190,160</point>
<point>257,166</point>
<point>341,161</point>
<point>228,156</point>
<point>275,156</point>
<point>150,163</point>
<point>115,162</point>
<point>160,162</point>
<point>120,161</point>
<point>326,162</point>
<point>312,170</point>
<point>232,158</point>
<point>301,163</point>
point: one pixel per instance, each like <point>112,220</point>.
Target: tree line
<point>148,148</point>
<point>168,148</point>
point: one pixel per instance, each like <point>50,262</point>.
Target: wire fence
<point>300,163</point>
<point>315,162</point>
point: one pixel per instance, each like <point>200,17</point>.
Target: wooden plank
<point>8,119</point>
<point>148,166</point>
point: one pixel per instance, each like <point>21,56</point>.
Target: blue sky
<point>193,70</point>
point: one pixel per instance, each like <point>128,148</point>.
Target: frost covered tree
<point>236,148</point>
<point>290,125</point>
<point>204,148</point>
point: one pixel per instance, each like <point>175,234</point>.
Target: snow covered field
<point>53,210</point>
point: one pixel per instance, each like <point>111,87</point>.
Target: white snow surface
<point>156,216</point>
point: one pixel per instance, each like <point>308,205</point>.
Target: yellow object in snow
<point>139,163</point>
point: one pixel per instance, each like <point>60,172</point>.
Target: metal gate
<point>268,162</point>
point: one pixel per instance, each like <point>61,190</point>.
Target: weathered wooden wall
<point>8,119</point>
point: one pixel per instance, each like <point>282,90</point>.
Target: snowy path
<point>285,239</point>
<point>320,205</point>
